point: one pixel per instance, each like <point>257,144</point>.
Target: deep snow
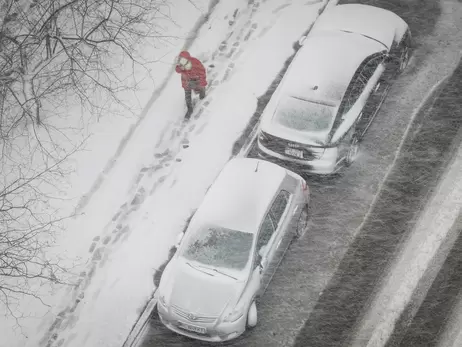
<point>127,227</point>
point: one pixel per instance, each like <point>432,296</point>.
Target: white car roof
<point>375,22</point>
<point>328,61</point>
<point>239,197</point>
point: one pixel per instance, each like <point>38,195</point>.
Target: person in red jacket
<point>193,77</point>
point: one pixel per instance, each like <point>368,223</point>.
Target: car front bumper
<point>215,332</point>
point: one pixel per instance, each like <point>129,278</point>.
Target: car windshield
<point>304,115</point>
<point>220,247</point>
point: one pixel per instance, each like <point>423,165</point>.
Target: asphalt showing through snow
<point>432,316</point>
<point>340,205</point>
<point>418,168</point>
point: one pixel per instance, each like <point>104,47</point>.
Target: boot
<point>188,113</point>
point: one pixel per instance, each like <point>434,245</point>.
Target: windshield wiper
<point>197,268</point>
<point>223,273</point>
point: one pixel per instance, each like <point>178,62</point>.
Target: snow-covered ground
<point>131,220</point>
<point>106,135</point>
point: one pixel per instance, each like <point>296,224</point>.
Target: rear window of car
<point>304,115</point>
<point>220,247</point>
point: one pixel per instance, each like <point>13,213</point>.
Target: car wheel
<point>302,222</point>
<point>252,316</point>
<point>352,151</point>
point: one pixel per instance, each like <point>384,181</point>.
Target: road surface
<point>438,321</point>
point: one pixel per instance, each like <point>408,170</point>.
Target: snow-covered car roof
<point>239,197</point>
<point>325,64</point>
<point>377,23</point>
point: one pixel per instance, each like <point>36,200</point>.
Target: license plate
<point>192,328</point>
<point>294,152</point>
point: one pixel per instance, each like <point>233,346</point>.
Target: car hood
<point>199,293</point>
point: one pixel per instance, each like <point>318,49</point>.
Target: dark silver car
<point>333,89</point>
<point>231,249</point>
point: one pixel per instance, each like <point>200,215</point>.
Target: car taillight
<point>304,185</point>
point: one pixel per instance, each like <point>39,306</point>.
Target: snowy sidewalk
<point>164,172</point>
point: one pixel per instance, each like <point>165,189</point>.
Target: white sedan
<point>333,89</point>
<point>230,250</point>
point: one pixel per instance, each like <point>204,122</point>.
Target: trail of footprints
<point>216,76</point>
<point>99,254</point>
<point>118,229</point>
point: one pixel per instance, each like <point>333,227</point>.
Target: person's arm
<point>178,69</point>
<point>202,74</point>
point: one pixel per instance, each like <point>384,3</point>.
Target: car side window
<point>359,81</point>
<point>266,231</point>
<point>369,69</point>
<point>279,206</point>
<point>354,91</point>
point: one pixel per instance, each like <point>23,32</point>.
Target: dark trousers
<point>188,96</point>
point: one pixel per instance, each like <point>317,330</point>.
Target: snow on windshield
<point>304,115</point>
<point>220,247</point>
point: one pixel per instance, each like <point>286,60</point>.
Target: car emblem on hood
<point>191,316</point>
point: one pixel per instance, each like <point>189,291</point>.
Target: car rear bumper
<point>315,166</point>
<point>214,332</point>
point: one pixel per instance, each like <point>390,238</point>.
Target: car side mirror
<point>298,44</point>
<point>178,239</point>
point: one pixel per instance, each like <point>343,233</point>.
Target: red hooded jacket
<point>197,71</point>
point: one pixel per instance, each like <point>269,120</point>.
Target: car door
<point>278,214</point>
<point>281,218</point>
<point>351,110</point>
<point>341,134</point>
<point>371,75</point>
<point>265,237</point>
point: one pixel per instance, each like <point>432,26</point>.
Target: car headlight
<point>236,313</point>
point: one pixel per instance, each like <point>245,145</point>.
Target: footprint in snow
<point>98,254</point>
<point>92,247</point>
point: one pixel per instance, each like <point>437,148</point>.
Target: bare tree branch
<point>55,55</point>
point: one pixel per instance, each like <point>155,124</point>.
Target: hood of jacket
<point>185,54</point>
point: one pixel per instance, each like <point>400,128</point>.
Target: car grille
<point>278,145</point>
<point>195,318</point>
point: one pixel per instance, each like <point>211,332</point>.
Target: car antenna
<point>256,168</point>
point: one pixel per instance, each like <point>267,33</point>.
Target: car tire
<point>352,150</point>
<point>252,316</point>
<point>302,223</point>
